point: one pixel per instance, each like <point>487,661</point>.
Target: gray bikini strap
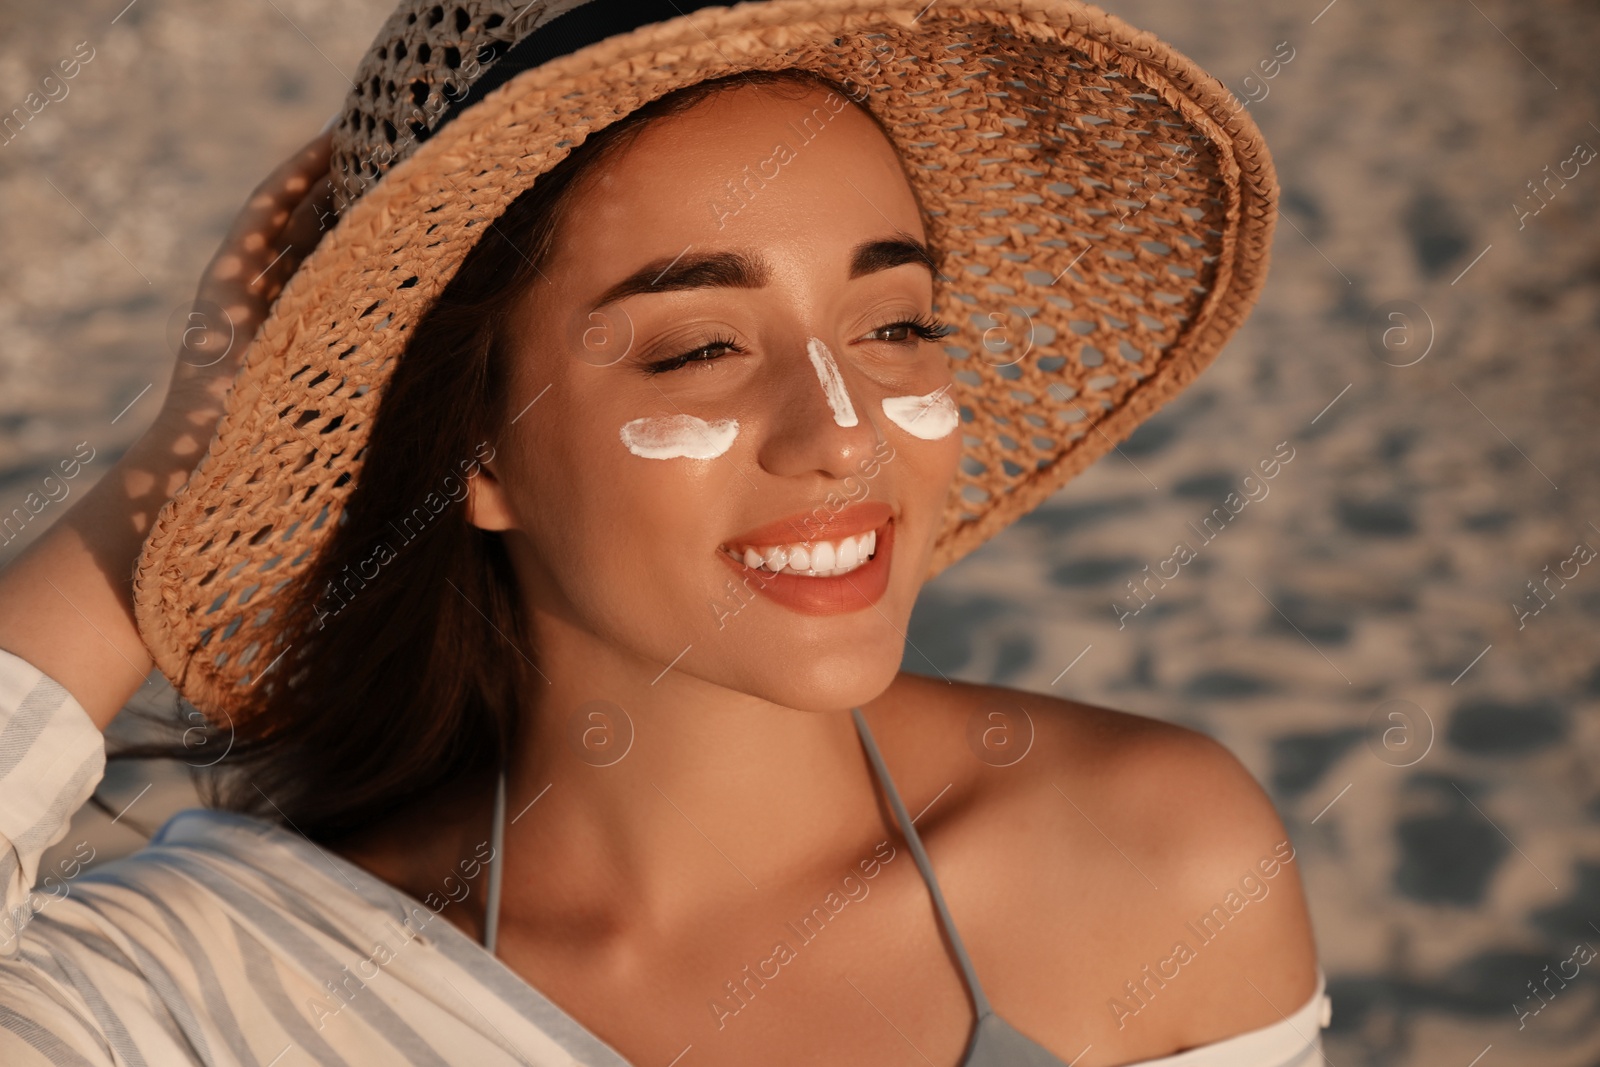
<point>491,908</point>
<point>980,1003</point>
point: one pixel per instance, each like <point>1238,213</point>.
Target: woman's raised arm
<point>66,603</point>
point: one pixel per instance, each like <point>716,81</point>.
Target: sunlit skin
<point>633,892</point>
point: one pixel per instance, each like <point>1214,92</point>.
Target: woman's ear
<point>487,506</point>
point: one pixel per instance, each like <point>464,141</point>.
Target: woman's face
<point>774,243</point>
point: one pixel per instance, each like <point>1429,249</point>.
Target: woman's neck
<point>643,790</point>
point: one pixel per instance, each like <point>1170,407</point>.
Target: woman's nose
<point>822,419</point>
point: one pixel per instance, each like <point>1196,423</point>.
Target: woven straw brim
<point>1105,205</point>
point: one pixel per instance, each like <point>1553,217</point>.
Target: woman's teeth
<point>814,559</point>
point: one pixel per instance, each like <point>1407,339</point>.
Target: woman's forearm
<point>66,602</point>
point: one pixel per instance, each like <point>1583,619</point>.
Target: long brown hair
<point>416,643</point>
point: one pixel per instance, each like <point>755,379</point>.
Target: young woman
<point>560,691</point>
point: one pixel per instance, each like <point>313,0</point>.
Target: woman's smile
<point>823,559</point>
<point>841,565</point>
<point>813,593</point>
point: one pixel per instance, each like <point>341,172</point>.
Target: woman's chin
<point>850,676</point>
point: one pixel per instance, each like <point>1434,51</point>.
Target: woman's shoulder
<point>1107,849</point>
<point>1006,745</point>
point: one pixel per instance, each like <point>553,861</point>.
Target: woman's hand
<point>66,602</point>
<point>281,222</point>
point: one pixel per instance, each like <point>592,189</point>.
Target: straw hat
<point>1106,208</point>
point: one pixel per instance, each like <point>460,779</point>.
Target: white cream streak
<point>832,382</point>
<point>929,417</point>
<point>679,437</point>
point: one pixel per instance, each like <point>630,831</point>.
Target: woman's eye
<point>920,328</point>
<point>706,353</point>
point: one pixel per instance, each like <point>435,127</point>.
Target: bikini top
<point>1294,1041</point>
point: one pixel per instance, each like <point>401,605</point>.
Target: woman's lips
<point>855,591</point>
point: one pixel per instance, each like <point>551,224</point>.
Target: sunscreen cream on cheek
<point>930,417</point>
<point>678,437</point>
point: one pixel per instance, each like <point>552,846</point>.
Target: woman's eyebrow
<point>737,270</point>
<point>703,270</point>
<point>881,254</point>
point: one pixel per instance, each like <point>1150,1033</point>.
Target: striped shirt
<point>228,939</point>
<point>231,940</point>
